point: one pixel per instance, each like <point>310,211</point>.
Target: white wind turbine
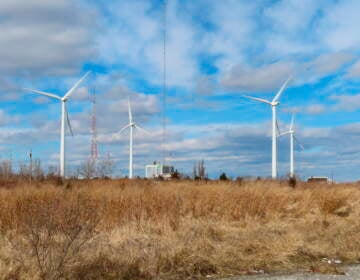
<point>131,125</point>
<point>275,102</point>
<point>291,132</point>
<point>63,113</point>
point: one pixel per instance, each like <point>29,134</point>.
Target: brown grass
<point>120,229</point>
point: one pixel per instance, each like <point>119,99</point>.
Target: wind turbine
<point>132,125</point>
<point>275,102</point>
<point>64,112</point>
<point>291,132</point>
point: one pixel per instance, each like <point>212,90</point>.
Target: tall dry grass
<point>120,229</point>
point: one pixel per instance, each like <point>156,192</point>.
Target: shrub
<point>223,177</point>
<point>292,182</point>
<point>51,231</point>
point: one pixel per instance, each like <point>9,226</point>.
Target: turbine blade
<point>70,91</point>
<point>292,122</point>
<point>257,99</point>
<point>277,96</point>
<point>125,127</point>
<point>298,142</point>
<point>142,129</point>
<point>68,122</point>
<point>44,93</point>
<point>284,133</point>
<point>129,108</point>
<point>277,128</point>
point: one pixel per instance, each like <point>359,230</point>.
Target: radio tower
<point>164,86</point>
<point>94,147</point>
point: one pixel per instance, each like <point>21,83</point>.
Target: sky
<point>217,51</point>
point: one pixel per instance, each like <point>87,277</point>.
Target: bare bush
<point>87,169</point>
<point>105,167</point>
<point>50,232</point>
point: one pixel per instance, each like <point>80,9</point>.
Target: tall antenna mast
<point>164,87</point>
<point>94,147</point>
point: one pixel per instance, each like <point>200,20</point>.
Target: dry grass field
<point>121,229</point>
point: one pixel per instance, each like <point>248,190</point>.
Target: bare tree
<point>199,171</point>
<point>37,171</point>
<point>6,169</point>
<point>24,169</point>
<point>194,172</point>
<point>105,167</point>
<point>53,171</point>
<point>87,169</point>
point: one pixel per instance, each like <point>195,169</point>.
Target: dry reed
<point>120,229</point>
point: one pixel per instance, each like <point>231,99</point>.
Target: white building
<point>156,170</point>
<point>153,170</point>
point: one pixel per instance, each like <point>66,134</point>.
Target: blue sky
<point>217,51</point>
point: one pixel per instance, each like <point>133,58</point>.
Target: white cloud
<point>315,109</point>
<point>354,70</point>
<point>264,79</point>
<point>339,103</point>
<point>205,85</point>
<point>42,37</point>
<point>140,103</point>
<point>81,94</point>
<point>292,16</point>
<point>8,119</point>
<point>138,41</point>
<point>269,77</point>
<point>234,25</point>
<point>286,26</point>
<point>339,26</point>
<point>347,103</point>
<point>324,65</point>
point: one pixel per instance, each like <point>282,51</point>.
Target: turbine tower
<point>131,125</point>
<point>274,103</point>
<point>293,138</point>
<point>64,114</point>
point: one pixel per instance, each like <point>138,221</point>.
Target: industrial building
<point>318,179</point>
<point>153,170</point>
<point>157,170</point>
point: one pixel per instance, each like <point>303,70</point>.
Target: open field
<point>120,229</point>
